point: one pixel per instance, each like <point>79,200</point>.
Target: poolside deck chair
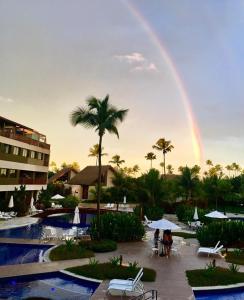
<point>210,250</point>
<point>129,281</point>
<point>146,222</point>
<point>126,287</point>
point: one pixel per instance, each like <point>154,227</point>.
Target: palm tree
<point>150,156</point>
<point>236,168</point>
<point>162,166</point>
<point>135,169</point>
<point>165,147</point>
<point>229,169</point>
<point>94,152</point>
<point>170,169</point>
<point>102,116</point>
<point>116,160</point>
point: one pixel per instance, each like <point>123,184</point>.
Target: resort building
<point>87,178</point>
<point>64,175</point>
<point>24,158</point>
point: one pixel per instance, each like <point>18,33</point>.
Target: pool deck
<point>18,222</point>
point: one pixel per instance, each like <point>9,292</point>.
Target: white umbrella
<point>32,203</point>
<point>76,219</point>
<point>11,202</point>
<point>163,224</point>
<point>57,197</point>
<point>216,215</point>
<point>195,217</point>
<point>124,199</point>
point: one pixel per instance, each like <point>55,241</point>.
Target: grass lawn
<point>185,235</point>
<point>109,271</point>
<point>219,276</point>
<point>235,257</point>
<point>63,252</point>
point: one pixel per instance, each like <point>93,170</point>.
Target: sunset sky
<point>176,65</point>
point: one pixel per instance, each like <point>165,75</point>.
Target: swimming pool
<point>36,231</point>
<point>230,294</point>
<point>55,285</point>
<point>12,254</point>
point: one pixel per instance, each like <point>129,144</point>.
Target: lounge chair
<point>210,250</point>
<point>128,287</point>
<point>146,222</point>
<point>129,281</point>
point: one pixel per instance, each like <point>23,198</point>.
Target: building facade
<point>24,158</point>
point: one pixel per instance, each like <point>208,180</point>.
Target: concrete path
<point>18,222</point>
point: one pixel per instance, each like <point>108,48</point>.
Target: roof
<point>89,175</point>
<point>61,173</point>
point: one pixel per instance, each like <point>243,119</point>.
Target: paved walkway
<point>18,222</point>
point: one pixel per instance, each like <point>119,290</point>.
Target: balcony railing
<point>32,181</point>
<point>10,133</point>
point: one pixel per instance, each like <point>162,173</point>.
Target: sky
<point>176,65</point>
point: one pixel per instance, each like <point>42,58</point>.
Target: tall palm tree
<point>170,169</point>
<point>94,152</point>
<point>162,166</point>
<point>236,168</point>
<point>209,163</point>
<point>165,147</point>
<point>116,160</point>
<point>102,116</point>
<point>150,156</point>
<point>229,169</point>
<point>135,169</point>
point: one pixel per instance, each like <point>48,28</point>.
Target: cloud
<point>139,62</point>
<point>6,100</point>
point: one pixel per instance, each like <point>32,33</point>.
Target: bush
<point>185,213</point>
<point>99,246</point>
<point>73,251</point>
<point>229,233</point>
<point>121,227</point>
<point>69,202</point>
<point>108,271</point>
<point>154,212</point>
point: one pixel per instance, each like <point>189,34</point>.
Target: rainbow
<point>193,127</point>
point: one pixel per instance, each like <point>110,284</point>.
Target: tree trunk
<point>99,186</point>
<point>151,163</point>
<point>164,165</point>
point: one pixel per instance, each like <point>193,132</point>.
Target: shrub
<point>133,266</point>
<point>63,252</point>
<point>234,268</point>
<point>118,227</point>
<point>185,213</point>
<point>100,246</point>
<point>154,212</point>
<point>115,260</point>
<point>93,261</point>
<point>69,202</point>
<point>230,233</point>
<point>108,271</point>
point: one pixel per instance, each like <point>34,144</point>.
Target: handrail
<point>153,295</point>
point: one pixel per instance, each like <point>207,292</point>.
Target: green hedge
<point>121,227</point>
<point>108,271</point>
<point>230,233</point>
<point>99,246</point>
<point>62,252</point>
<point>185,213</point>
<point>69,202</point>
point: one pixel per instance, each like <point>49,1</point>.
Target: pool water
<point>237,294</point>
<point>12,254</point>
<point>54,285</point>
<point>36,231</point>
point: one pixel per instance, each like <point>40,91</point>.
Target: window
<point>3,172</point>
<point>39,155</point>
<point>32,154</point>
<point>16,151</point>
<point>5,148</point>
<point>12,173</point>
<point>24,152</point>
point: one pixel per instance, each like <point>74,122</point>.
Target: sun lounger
<point>129,281</point>
<point>210,250</point>
<point>146,222</point>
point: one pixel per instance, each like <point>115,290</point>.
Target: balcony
<point>12,134</point>
<point>32,181</point>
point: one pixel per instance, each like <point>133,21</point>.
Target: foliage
<point>64,252</point>
<point>20,202</point>
<point>133,265</point>
<point>229,233</point>
<point>69,244</point>
<point>189,180</point>
<point>236,257</point>
<point>153,212</point>
<point>114,261</point>
<point>219,276</point>
<point>99,246</point>
<point>105,271</point>
<point>185,235</point>
<point>119,227</point>
<point>210,267</point>
<point>185,213</point>
<point>69,202</point>
<point>234,268</point>
<point>93,261</point>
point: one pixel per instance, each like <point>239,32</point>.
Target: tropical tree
<point>150,156</point>
<point>170,169</point>
<point>165,147</point>
<point>53,167</point>
<point>135,169</point>
<point>103,117</point>
<point>117,161</point>
<point>229,169</point>
<point>94,152</point>
<point>236,168</point>
<point>75,166</point>
<point>189,180</point>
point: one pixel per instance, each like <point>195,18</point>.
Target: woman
<point>156,238</point>
<point>167,242</point>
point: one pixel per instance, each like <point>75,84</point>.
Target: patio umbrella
<point>76,219</point>
<point>11,202</point>
<point>32,203</point>
<point>163,224</point>
<point>216,215</point>
<point>57,197</point>
<point>195,217</point>
<point>124,199</point>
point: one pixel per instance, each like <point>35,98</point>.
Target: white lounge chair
<point>146,222</point>
<point>126,287</point>
<point>211,250</point>
<point>129,281</point>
